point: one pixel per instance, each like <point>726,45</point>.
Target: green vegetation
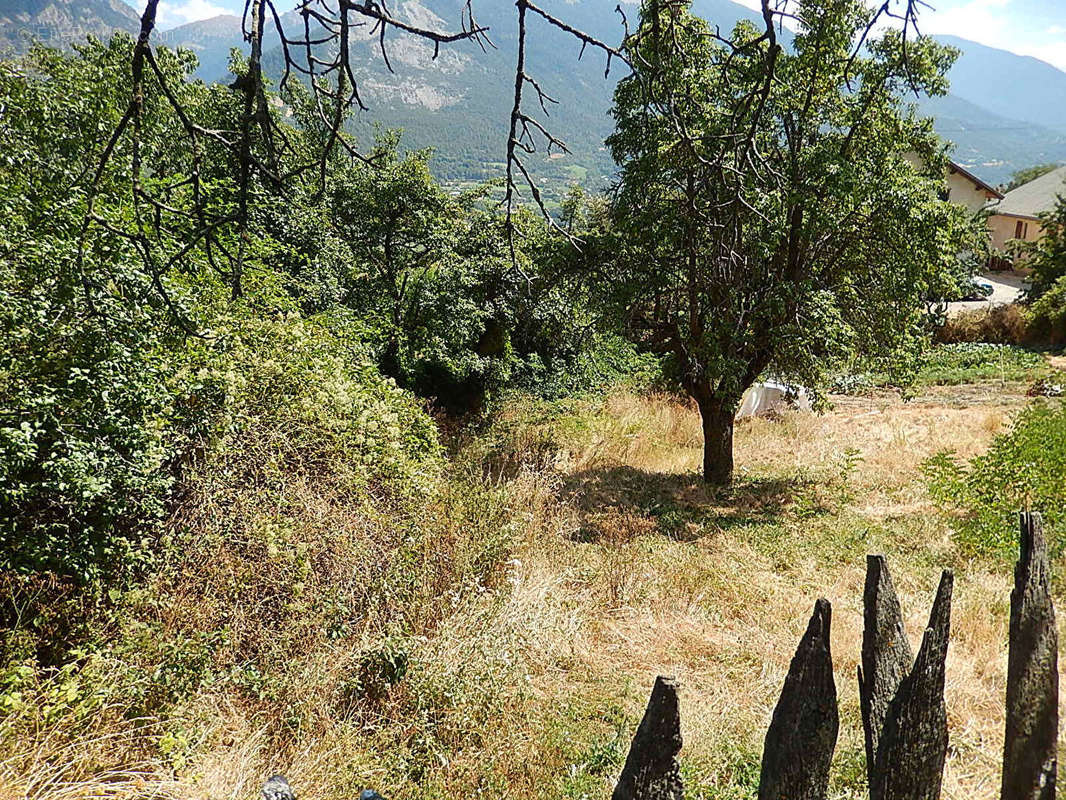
<point>971,362</point>
<point>373,486</point>
<point>1023,469</point>
<point>952,365</point>
<point>1047,315</point>
<point>1046,257</point>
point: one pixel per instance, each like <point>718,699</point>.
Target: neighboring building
<point>967,190</point>
<point>1016,216</point>
<point>962,186</point>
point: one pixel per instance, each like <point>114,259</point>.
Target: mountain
<point>59,22</point>
<point>1005,111</point>
<point>1013,86</point>
<point>460,103</point>
<point>989,145</point>
<point>211,40</point>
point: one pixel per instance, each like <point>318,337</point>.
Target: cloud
<point>172,14</point>
<point>1053,52</point>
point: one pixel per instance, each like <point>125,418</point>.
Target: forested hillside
<point>1001,114</point>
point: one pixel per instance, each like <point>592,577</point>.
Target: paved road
<point>1007,288</point>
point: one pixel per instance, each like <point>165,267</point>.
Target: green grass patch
<point>953,365</point>
<point>970,362</point>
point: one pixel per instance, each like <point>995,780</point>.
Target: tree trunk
<point>717,440</point>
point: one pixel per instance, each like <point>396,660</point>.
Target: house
<point>1016,216</point>
<point>967,190</point>
<point>961,186</point>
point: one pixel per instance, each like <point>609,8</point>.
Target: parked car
<point>977,289</point>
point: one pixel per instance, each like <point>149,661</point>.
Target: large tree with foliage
<point>767,218</point>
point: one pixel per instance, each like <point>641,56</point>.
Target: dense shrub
<point>87,434</point>
<point>454,307</point>
<point>307,391</point>
<point>1023,469</point>
<point>1046,257</point>
<point>996,325</point>
<point>1047,316</point>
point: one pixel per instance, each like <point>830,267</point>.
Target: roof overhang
<point>970,176</point>
<point>1012,215</point>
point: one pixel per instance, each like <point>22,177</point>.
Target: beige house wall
<point>963,191</point>
<point>1004,228</point>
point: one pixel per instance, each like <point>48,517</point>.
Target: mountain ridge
<point>1001,113</point>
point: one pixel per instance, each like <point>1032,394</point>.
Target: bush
<point>1023,469</point>
<point>301,397</point>
<point>1046,257</point>
<point>87,438</point>
<point>997,325</point>
<point>1047,316</point>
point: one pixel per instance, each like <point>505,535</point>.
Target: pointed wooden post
<point>903,710</point>
<point>803,733</point>
<point>886,655</point>
<point>914,742</point>
<point>1030,754</point>
<point>651,771</point>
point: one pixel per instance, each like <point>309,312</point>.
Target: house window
<point>1021,229</point>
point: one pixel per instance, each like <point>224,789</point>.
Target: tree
<point>767,220</point>
<point>1024,176</point>
<point>1046,256</point>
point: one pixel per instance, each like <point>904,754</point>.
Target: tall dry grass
<point>498,637</point>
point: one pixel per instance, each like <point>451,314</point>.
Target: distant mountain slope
<point>1005,112</point>
<point>460,104</point>
<point>991,146</point>
<point>1013,86</point>
<point>211,40</point>
<point>60,22</point>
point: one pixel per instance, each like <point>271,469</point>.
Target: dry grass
<point>621,566</point>
<point>1006,324</point>
<point>723,607</point>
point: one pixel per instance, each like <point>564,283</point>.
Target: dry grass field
<point>620,566</point>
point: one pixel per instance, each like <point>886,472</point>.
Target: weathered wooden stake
<point>886,655</point>
<point>651,771</point>
<point>914,742</point>
<point>803,733</point>
<point>1030,757</point>
<point>903,710</point>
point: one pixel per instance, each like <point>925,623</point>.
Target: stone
<point>651,771</point>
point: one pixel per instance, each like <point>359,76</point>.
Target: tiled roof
<point>1035,197</point>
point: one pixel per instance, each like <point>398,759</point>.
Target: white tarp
<point>771,398</point>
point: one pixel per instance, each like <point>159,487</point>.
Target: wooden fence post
<point>803,733</point>
<point>651,771</point>
<point>1030,757</point>
<point>886,655</point>
<point>904,714</point>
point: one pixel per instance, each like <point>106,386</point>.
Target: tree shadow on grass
<point>677,505</point>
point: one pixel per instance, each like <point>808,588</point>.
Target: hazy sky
<point>1028,27</point>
